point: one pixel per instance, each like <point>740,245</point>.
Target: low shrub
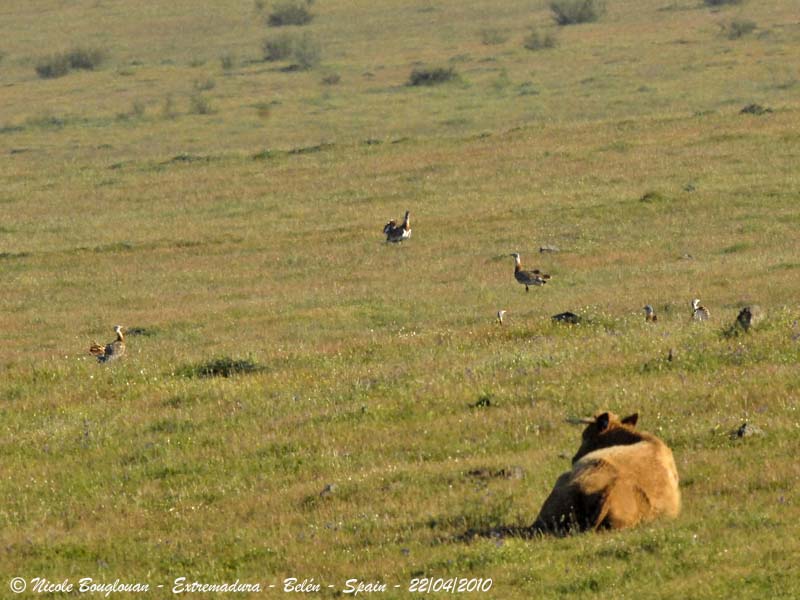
<point>738,28</point>
<point>228,61</point>
<point>721,2</point>
<point>221,367</point>
<point>573,12</point>
<point>289,12</point>
<point>58,65</point>
<point>306,52</point>
<point>86,58</point>
<point>53,66</point>
<point>278,47</point>
<point>200,105</point>
<point>431,76</point>
<point>539,41</point>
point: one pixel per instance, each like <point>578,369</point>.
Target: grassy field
<point>228,208</point>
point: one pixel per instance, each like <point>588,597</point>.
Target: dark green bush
<point>53,66</point>
<point>86,58</point>
<point>221,367</point>
<point>572,12</point>
<point>278,47</point>
<point>289,12</point>
<point>431,76</point>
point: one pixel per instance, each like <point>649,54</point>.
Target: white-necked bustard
<point>528,278</point>
<point>112,350</point>
<point>650,314</point>
<point>395,233</point>
<point>699,312</point>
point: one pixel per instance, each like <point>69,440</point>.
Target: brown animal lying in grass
<point>620,477</point>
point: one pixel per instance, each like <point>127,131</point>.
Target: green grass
<point>282,347</point>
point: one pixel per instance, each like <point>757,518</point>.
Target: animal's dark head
<point>607,429</point>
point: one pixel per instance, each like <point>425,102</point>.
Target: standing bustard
<point>528,278</point>
<point>398,234</point>
<point>699,312</point>
<point>650,314</point>
<point>112,350</point>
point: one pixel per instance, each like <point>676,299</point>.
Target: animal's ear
<point>602,422</point>
<point>631,419</point>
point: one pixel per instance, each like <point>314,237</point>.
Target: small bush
<point>738,28</point>
<point>278,47</point>
<point>755,109</point>
<point>572,12</point>
<point>200,105</point>
<point>332,79</point>
<point>538,41</point>
<point>221,367</point>
<point>53,66</point>
<point>289,12</point>
<point>493,37</point>
<point>228,61</point>
<point>721,2</point>
<point>86,58</point>
<point>306,52</point>
<point>431,76</point>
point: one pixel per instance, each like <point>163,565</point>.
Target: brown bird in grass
<point>699,312</point>
<point>398,234</point>
<point>112,350</point>
<point>650,314</point>
<point>528,278</point>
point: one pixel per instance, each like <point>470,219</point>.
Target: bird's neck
<point>119,335</point>
<point>406,221</point>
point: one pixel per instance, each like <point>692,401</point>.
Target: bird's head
<point>648,310</point>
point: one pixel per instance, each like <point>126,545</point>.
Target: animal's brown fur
<point>619,478</point>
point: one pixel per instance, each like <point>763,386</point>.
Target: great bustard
<point>749,316</point>
<point>112,350</point>
<point>650,314</point>
<point>500,316</point>
<point>699,312</point>
<point>398,234</point>
<point>528,278</point>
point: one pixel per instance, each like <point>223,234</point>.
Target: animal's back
<point>614,487</point>
<point>634,483</point>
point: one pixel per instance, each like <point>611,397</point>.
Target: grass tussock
<point>290,12</point>
<point>738,28</point>
<point>427,76</point>
<point>60,64</point>
<point>224,366</point>
<point>536,40</point>
<point>575,12</point>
